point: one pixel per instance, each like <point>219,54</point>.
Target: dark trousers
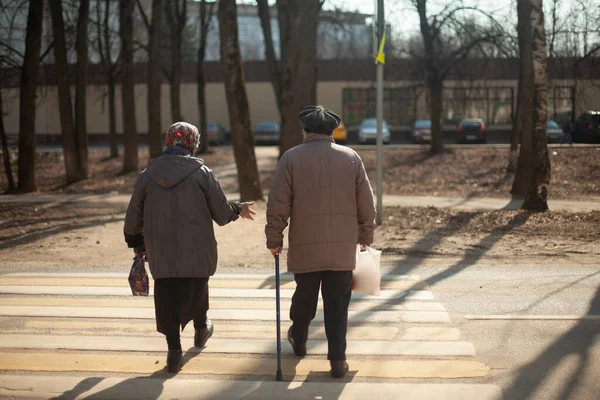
<point>178,301</point>
<point>336,288</point>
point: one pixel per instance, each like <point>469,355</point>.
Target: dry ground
<point>72,235</point>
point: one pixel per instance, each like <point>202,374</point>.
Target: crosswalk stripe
<point>227,329</point>
<point>205,364</point>
<point>236,346</point>
<point>285,277</point>
<point>218,283</point>
<point>248,304</point>
<point>220,314</point>
<point>214,293</point>
<point>146,388</point>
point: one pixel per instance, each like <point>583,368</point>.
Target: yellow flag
<point>381,53</point>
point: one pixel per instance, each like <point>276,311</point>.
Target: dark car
<point>471,130</point>
<point>421,131</point>
<point>267,133</point>
<point>587,128</point>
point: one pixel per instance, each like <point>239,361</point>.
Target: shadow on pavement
<point>576,342</point>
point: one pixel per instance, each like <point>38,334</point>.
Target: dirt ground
<point>105,174</point>
<point>90,235</point>
<point>457,172</point>
<point>77,235</point>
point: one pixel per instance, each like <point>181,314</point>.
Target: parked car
<point>340,134</point>
<point>267,132</point>
<point>421,131</point>
<point>471,130</point>
<point>217,135</point>
<point>554,132</point>
<point>587,127</point>
<point>368,131</point>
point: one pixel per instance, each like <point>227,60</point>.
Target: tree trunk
<point>130,162</point>
<point>177,26</point>
<point>525,161</point>
<point>537,195</point>
<point>104,48</point>
<point>513,155</point>
<point>272,62</point>
<point>5,150</point>
<point>206,13</point>
<point>69,138</point>
<point>436,94</point>
<point>298,22</point>
<point>81,44</point>
<point>524,23</point>
<point>154,82</point>
<point>434,80</point>
<point>237,102</point>
<point>176,80</point>
<point>112,118</point>
<point>29,77</point>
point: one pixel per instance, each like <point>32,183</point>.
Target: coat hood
<point>172,167</point>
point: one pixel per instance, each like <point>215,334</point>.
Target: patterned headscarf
<point>183,134</point>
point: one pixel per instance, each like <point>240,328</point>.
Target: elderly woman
<point>170,218</point>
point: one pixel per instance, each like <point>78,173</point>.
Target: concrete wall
<point>260,96</point>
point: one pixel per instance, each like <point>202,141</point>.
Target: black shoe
<point>338,368</point>
<point>299,348</point>
<point>174,361</point>
<point>201,336</point>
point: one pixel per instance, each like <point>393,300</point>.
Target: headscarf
<point>184,135</point>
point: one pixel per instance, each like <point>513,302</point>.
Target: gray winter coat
<point>171,213</point>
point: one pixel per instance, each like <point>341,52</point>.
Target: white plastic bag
<point>367,275</point>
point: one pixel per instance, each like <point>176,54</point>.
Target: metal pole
<point>380,30</point>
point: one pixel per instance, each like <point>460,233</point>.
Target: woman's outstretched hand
<point>247,212</point>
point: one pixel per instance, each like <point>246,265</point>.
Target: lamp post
<point>380,60</point>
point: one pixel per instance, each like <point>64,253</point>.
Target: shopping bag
<point>138,277</point>
<point>366,278</point>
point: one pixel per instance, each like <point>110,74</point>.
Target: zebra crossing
<point>83,335</point>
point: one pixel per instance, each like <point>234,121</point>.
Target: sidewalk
<point>461,203</point>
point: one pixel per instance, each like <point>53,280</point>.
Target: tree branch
<point>143,13</point>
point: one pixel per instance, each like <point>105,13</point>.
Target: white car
<point>368,131</point>
<point>554,133</point>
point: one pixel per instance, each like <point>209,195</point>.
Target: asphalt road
<point>536,327</point>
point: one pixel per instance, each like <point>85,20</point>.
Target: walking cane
<point>279,375</point>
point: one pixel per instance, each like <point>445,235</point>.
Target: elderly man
<point>323,189</point>
<point>171,213</point>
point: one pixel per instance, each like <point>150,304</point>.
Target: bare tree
<point>206,14</point>
<point>106,42</point>
<point>176,11</point>
<point>29,77</point>
<point>522,121</point>
<point>130,162</point>
<point>537,195</point>
<point>237,102</point>
<point>3,139</point>
<point>69,136</point>
<point>155,81</point>
<point>294,76</point>
<point>448,37</point>
<point>81,45</point>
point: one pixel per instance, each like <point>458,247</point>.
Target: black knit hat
<point>316,119</point>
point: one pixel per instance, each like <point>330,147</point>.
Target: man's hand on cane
<point>276,250</point>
